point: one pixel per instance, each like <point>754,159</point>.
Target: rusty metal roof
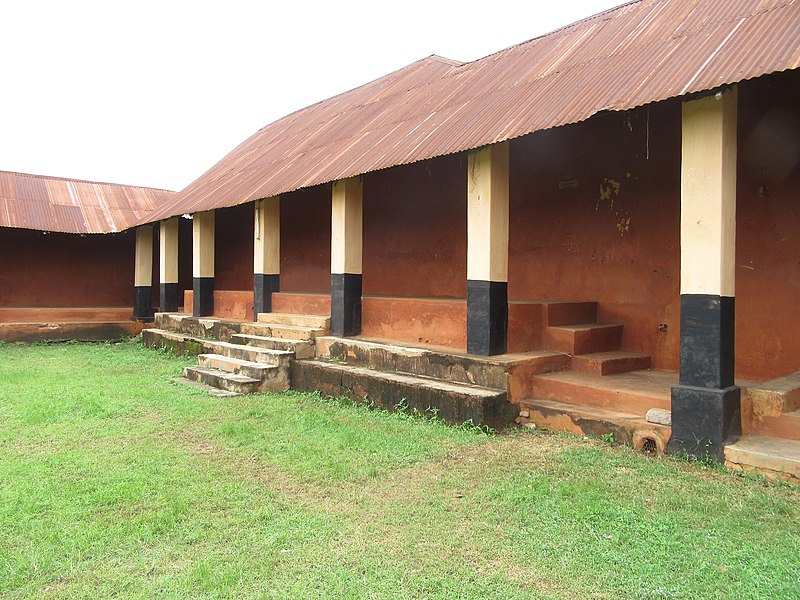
<point>641,52</point>
<point>73,205</point>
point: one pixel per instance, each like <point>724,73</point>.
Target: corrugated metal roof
<point>641,52</point>
<point>72,205</point>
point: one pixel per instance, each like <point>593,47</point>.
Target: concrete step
<point>312,321</point>
<point>181,344</point>
<point>774,397</point>
<point>494,372</point>
<point>214,391</point>
<point>569,313</point>
<point>286,332</point>
<point>785,426</point>
<point>610,363</point>
<point>270,377</point>
<point>235,365</point>
<point>633,393</point>
<point>583,338</point>
<point>455,403</point>
<point>777,459</point>
<point>301,348</point>
<point>232,382</point>
<point>591,421</point>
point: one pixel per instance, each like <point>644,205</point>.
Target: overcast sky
<point>154,92</point>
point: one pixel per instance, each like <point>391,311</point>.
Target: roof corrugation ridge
<point>57,178</point>
<point>611,69</point>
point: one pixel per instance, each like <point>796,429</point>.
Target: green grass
<point>117,481</point>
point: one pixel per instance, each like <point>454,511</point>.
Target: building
<point>606,214</point>
<point>68,250</point>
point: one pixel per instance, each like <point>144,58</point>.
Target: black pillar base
<point>703,420</point>
<point>345,304</point>
<point>487,317</point>
<point>168,297</point>
<point>707,332</point>
<point>203,301</point>
<point>263,286</point>
<point>143,303</point>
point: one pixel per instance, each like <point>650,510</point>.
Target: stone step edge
<point>210,389</point>
<point>234,377</point>
<point>638,428</point>
<point>781,460</point>
<point>322,320</point>
<point>585,326</point>
<point>267,338</point>
<point>239,362</point>
<point>659,400</point>
<point>406,378</point>
<point>177,335</point>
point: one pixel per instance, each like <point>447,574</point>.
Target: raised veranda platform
<point>53,324</point>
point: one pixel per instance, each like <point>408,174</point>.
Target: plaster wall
<point>415,230</point>
<point>768,227</point>
<point>59,269</point>
<point>595,216</point>
<point>306,240</point>
<point>234,247</point>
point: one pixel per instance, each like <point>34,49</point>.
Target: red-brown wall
<point>768,227</point>
<point>306,240</point>
<point>233,247</point>
<point>595,215</point>
<point>415,230</point>
<point>59,269</point>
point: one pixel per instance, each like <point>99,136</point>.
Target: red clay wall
<point>594,213</point>
<point>233,248</point>
<point>58,269</point>
<point>306,240</point>
<point>415,230</point>
<point>768,227</point>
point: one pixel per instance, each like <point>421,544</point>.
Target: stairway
<point>604,391</point>
<point>236,357</point>
<point>771,427</point>
<point>453,386</point>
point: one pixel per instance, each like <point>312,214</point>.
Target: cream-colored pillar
<point>708,195</point>
<point>705,405</point>
<point>143,274</point>
<point>267,253</point>
<point>203,263</point>
<point>168,262</point>
<point>346,245</point>
<point>487,250</point>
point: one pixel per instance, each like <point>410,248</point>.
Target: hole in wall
<point>648,446</point>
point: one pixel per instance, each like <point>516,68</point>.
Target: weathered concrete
<point>496,372</point>
<point>625,428</point>
<point>455,403</point>
<point>777,459</point>
<point>91,331</point>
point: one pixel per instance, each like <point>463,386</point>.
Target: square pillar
<point>168,261</point>
<point>706,403</point>
<point>487,250</point>
<point>346,270</point>
<point>267,253</point>
<point>143,274</point>
<point>203,263</point>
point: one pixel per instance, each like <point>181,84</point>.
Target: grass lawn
<point>117,481</point>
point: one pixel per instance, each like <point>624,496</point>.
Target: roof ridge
<point>558,30</point>
<point>57,178</point>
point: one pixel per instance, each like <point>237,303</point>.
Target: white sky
<point>154,92</point>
